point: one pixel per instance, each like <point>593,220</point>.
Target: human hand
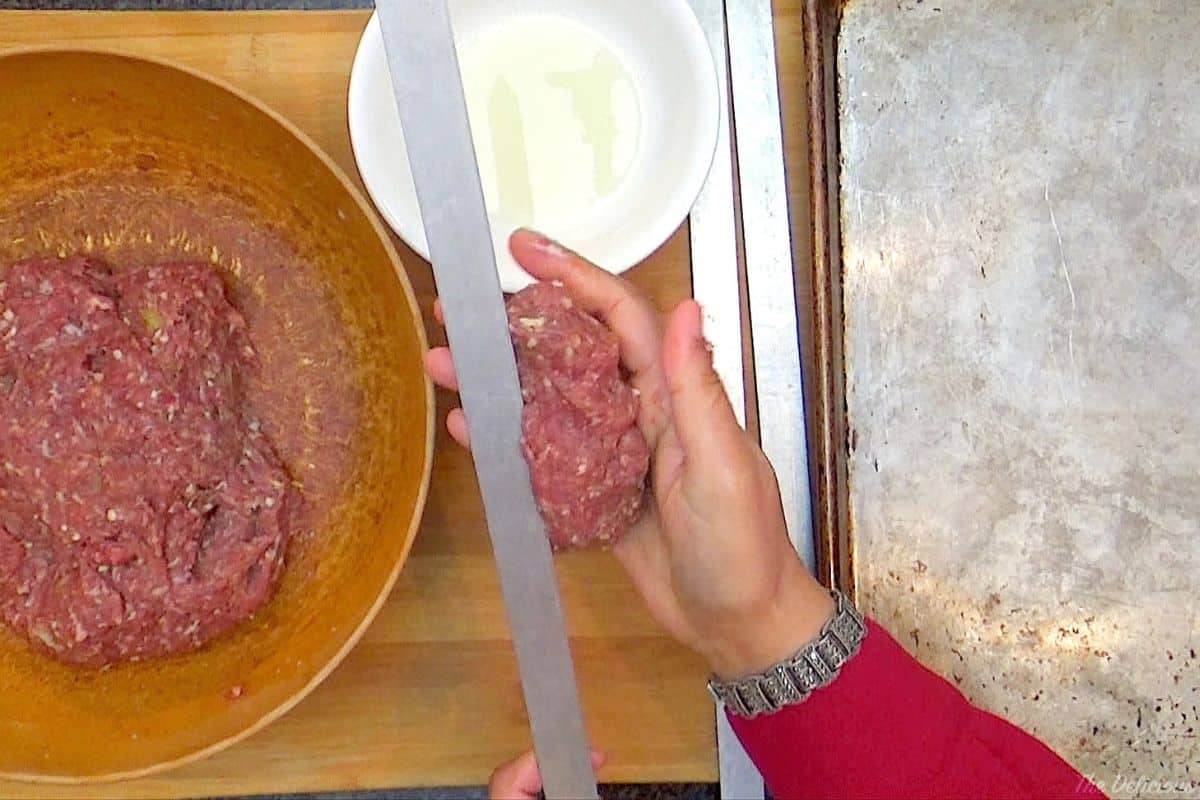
<point>711,558</point>
<point>520,779</point>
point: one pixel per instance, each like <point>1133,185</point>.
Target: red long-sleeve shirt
<point>887,727</point>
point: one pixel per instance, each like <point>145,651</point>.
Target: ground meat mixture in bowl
<point>143,511</point>
<point>215,428</point>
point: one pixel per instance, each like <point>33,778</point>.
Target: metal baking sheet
<point>1008,264</point>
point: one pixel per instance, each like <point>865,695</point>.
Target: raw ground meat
<point>587,458</point>
<point>142,509</point>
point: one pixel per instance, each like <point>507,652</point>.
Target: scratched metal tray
<point>1007,336</point>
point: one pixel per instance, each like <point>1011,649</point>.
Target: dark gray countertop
<point>651,791</point>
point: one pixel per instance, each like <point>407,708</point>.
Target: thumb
<point>700,409</point>
<point>520,778</point>
<point>516,780</point>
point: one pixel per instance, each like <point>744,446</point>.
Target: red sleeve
<point>887,727</point>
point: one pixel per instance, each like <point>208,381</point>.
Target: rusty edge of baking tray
<point>831,439</point>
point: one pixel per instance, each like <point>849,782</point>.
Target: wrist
<point>793,618</point>
<point>793,680</point>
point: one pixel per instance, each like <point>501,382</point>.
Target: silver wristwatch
<point>792,681</point>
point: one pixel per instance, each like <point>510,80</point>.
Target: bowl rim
<point>649,238</point>
<point>430,418</point>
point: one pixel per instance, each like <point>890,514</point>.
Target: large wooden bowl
<point>138,161</point>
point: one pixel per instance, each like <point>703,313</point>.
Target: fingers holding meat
<point>701,413</point>
<point>630,315</point>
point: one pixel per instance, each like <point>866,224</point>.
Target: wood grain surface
<point>431,696</point>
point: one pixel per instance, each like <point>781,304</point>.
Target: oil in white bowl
<point>555,118</point>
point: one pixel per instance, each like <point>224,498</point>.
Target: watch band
<point>792,681</point>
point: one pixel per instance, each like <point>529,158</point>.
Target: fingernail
<point>545,245</point>
<point>698,332</point>
<point>698,325</point>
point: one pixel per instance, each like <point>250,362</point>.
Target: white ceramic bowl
<point>617,187</point>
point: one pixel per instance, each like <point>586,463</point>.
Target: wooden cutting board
<point>430,696</point>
